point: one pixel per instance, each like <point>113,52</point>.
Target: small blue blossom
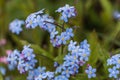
<point>11,67</point>
<point>13,58</point>
<point>61,77</point>
<point>91,72</point>
<point>116,15</point>
<point>113,72</point>
<point>67,71</point>
<point>41,76</point>
<point>45,22</point>
<point>62,38</point>
<point>2,70</point>
<point>31,21</point>
<point>56,64</point>
<point>35,73</point>
<point>16,26</point>
<point>71,46</point>
<point>49,75</point>
<point>66,12</point>
<point>59,69</point>
<point>53,33</point>
<point>69,33</point>
<point>26,60</point>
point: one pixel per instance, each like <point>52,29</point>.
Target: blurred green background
<point>94,22</point>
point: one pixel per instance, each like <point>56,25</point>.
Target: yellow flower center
<point>119,61</point>
<point>30,22</point>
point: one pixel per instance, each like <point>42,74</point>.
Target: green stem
<point>56,24</point>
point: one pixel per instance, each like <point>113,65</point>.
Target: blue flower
<point>74,69</point>
<point>31,21</point>
<point>46,22</point>
<point>11,67</point>
<point>53,33</point>
<point>114,60</point>
<point>13,58</point>
<point>113,72</point>
<point>35,73</point>
<point>28,53</point>
<point>59,69</point>
<point>50,75</point>
<point>62,38</point>
<point>91,72</point>
<point>84,55</point>
<point>116,15</point>
<point>41,76</point>
<point>56,64</point>
<point>66,12</point>
<point>71,46</point>
<point>26,60</point>
<point>16,26</point>
<point>69,33</point>
<point>61,77</point>
<point>2,70</point>
<point>67,72</point>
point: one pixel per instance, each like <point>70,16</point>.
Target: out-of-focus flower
<point>66,12</point>
<point>3,59</point>
<point>113,72</point>
<point>16,26</point>
<point>3,42</point>
<point>2,70</point>
<point>116,15</point>
<point>8,52</point>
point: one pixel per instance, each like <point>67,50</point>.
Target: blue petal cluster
<point>114,61</point>
<point>12,59</point>
<point>40,74</point>
<point>46,22</point>
<point>31,21</point>
<point>16,26</point>
<point>113,72</point>
<point>116,15</point>
<point>24,60</point>
<point>62,38</point>
<point>91,72</point>
<point>2,70</point>
<point>66,12</point>
<point>77,56</point>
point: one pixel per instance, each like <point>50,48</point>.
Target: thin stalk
<point>56,24</point>
<point>62,47</point>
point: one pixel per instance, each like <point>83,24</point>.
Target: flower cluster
<point>40,74</point>
<point>26,60</point>
<point>62,38</point>
<point>46,22</point>
<point>66,12</point>
<point>115,62</point>
<point>76,57</point>
<point>23,60</point>
<point>77,54</point>
<point>13,58</point>
<point>16,26</point>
